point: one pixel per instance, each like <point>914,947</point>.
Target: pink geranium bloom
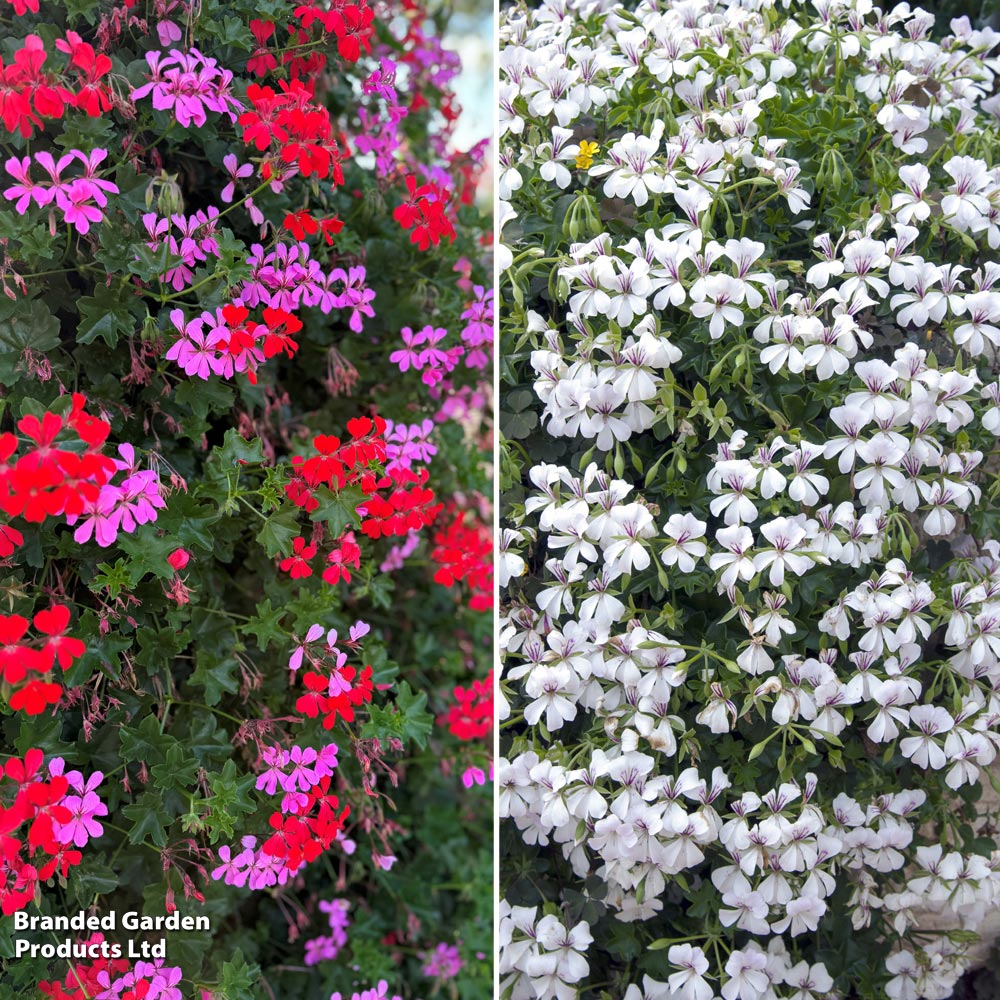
<point>409,356</point>
<point>98,521</point>
<point>235,172</point>
<point>75,202</point>
<point>84,825</point>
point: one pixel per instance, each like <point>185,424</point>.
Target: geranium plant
<point>244,552</point>
<point>750,318</point>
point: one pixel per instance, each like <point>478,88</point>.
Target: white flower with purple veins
<point>603,422</point>
<point>550,90</point>
<point>810,982</point>
<point>628,287</point>
<point>921,302</point>
<point>965,203</point>
<point>786,535</point>
<point>719,296</point>
<point>879,400</point>
<point>736,478</point>
<point>554,688</point>
<point>628,551</point>
<point>633,170</point>
<point>510,179</point>
<point>744,907</point>
<point>983,309</point>
<point>509,564</point>
<point>890,696</point>
<point>862,259</point>
<point>910,204</point>
<point>567,945</point>
<point>923,750</point>
<point>734,562</point>
<point>802,916</point>
<point>686,542</point>
<point>551,155</point>
<point>747,971</point>
<point>689,983</point>
<point>805,486</point>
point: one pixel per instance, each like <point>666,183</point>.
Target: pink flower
<point>188,84</point>
<point>98,521</point>
<point>314,633</point>
<point>410,356</point>
<point>84,825</point>
<point>74,201</point>
<point>235,172</point>
<point>473,776</point>
<point>269,780</point>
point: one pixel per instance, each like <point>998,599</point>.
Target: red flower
<point>300,224</point>
<point>262,61</point>
<point>59,647</point>
<point>178,559</point>
<point>10,539</point>
<point>35,697</point>
<point>297,565</point>
<point>16,659</point>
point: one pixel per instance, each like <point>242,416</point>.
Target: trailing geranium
<point>211,468</point>
<point>751,558</point>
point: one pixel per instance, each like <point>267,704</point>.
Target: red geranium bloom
<point>59,647</point>
<point>297,565</point>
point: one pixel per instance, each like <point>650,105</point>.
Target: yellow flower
<point>585,157</point>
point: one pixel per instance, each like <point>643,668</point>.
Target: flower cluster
<point>306,824</point>
<point>463,550</point>
<point>749,665</point>
<point>326,947</point>
<point>42,828</point>
<point>471,717</point>
<point>422,354</point>
<point>291,126</point>
<point>81,200</point>
<point>27,662</point>
<point>86,980</point>
<point>423,212</point>
<point>193,239</point>
<point>32,93</point>
<point>188,85</point>
<point>64,472</point>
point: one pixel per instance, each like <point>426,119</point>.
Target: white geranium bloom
<point>930,721</point>
<point>686,534</point>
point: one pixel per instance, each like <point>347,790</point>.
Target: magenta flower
<point>83,825</point>
<point>98,521</point>
<point>139,500</point>
<point>302,775</point>
<point>295,660</point>
<point>409,357</point>
<point>276,760</point>
<point>236,173</point>
<point>190,85</point>
<point>75,202</point>
<point>26,190</point>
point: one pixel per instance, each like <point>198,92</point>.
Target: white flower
<point>930,720</point>
<point>686,544</point>
<point>748,979</point>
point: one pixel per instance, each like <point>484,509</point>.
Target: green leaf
<point>149,818</point>
<point>145,742</point>
<point>278,531</point>
<point>265,625</point>
<point>338,510</point>
<point>103,315</point>
<point>417,723</point>
<point>216,674</point>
